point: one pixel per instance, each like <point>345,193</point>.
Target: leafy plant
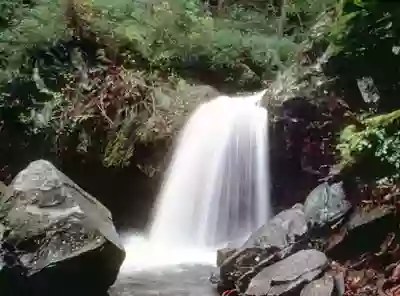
<point>373,147</point>
<point>101,78</point>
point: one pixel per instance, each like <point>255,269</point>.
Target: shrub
<point>372,148</point>
<point>101,77</point>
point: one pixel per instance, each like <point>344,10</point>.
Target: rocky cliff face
<point>307,111</point>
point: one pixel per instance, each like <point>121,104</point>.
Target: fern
<point>375,146</point>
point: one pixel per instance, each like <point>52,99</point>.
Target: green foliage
<point>104,111</point>
<point>373,147</point>
<point>30,30</point>
<point>99,77</point>
<point>366,36</point>
<point>181,34</point>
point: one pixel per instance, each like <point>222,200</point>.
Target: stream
<point>215,191</point>
<point>154,270</point>
<point>183,280</point>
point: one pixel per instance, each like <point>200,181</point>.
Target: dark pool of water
<point>184,280</point>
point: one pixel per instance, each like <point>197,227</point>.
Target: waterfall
<point>215,190</point>
<point>216,187</point>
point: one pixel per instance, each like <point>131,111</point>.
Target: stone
<point>368,89</point>
<point>321,287</point>
<point>281,231</point>
<point>292,286</point>
<point>238,264</point>
<point>371,227</point>
<point>243,281</point>
<point>270,243</point>
<point>326,204</point>
<point>60,240</point>
<point>223,254</point>
<point>364,218</point>
<point>288,274</point>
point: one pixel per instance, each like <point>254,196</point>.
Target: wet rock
<point>237,271</point>
<point>320,287</point>
<point>363,218</point>
<point>326,204</point>
<point>61,241</point>
<point>281,231</point>
<point>289,274</point>
<point>244,280</point>
<point>238,264</point>
<point>223,254</point>
<point>269,244</point>
<point>365,231</point>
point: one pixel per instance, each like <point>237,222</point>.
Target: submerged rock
<point>60,240</point>
<point>288,274</point>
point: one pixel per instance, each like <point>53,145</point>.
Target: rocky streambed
<point>324,247</point>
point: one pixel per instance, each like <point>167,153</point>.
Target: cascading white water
<point>216,188</point>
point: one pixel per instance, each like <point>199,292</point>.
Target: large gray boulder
<point>288,274</point>
<point>223,254</point>
<point>372,227</point>
<point>281,231</point>
<point>270,243</point>
<point>326,204</point>
<point>59,240</point>
<point>324,286</point>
